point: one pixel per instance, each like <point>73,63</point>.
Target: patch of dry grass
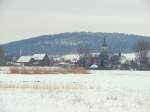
<point>40,70</point>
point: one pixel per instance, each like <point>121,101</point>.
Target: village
<point>74,55</point>
<point>104,60</point>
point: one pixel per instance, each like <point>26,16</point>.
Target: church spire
<point>104,42</point>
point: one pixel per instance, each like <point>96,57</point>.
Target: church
<point>104,55</point>
<point>102,61</point>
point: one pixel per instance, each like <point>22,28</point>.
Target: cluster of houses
<point>102,60</point>
<point>43,60</point>
<point>106,60</point>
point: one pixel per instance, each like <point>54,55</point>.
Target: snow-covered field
<point>100,91</point>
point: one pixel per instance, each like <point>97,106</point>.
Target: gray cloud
<point>20,19</point>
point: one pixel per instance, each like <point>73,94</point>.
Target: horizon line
<point>37,36</point>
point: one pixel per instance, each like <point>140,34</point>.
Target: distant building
<point>41,60</point>
<point>25,60</point>
<point>66,65</point>
<point>104,56</point>
<point>104,48</point>
<point>35,60</point>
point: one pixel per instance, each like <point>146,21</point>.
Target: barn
<point>35,60</point>
<point>41,60</point>
<point>25,61</point>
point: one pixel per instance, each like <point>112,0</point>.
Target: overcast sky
<point>22,19</point>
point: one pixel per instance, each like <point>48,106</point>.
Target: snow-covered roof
<point>123,59</point>
<point>129,56</point>
<point>24,59</point>
<point>94,66</point>
<point>38,56</point>
<point>71,57</point>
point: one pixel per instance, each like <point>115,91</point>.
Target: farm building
<point>35,60</point>
<point>25,61</point>
<point>41,60</point>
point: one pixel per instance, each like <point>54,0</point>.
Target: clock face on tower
<point>104,49</point>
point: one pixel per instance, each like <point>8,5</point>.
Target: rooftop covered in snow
<point>24,59</point>
<point>38,56</point>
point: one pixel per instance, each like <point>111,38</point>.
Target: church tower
<point>104,48</point>
<point>104,57</point>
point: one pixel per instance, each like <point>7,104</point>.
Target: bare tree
<point>2,56</point>
<point>142,49</point>
<point>84,50</point>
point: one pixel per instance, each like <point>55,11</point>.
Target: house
<point>41,60</point>
<point>66,65</point>
<point>25,61</point>
<point>35,60</point>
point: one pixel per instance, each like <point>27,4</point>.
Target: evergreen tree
<point>2,56</point>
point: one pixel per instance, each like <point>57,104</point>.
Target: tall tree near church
<point>84,52</point>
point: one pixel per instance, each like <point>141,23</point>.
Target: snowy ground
<point>100,91</point>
